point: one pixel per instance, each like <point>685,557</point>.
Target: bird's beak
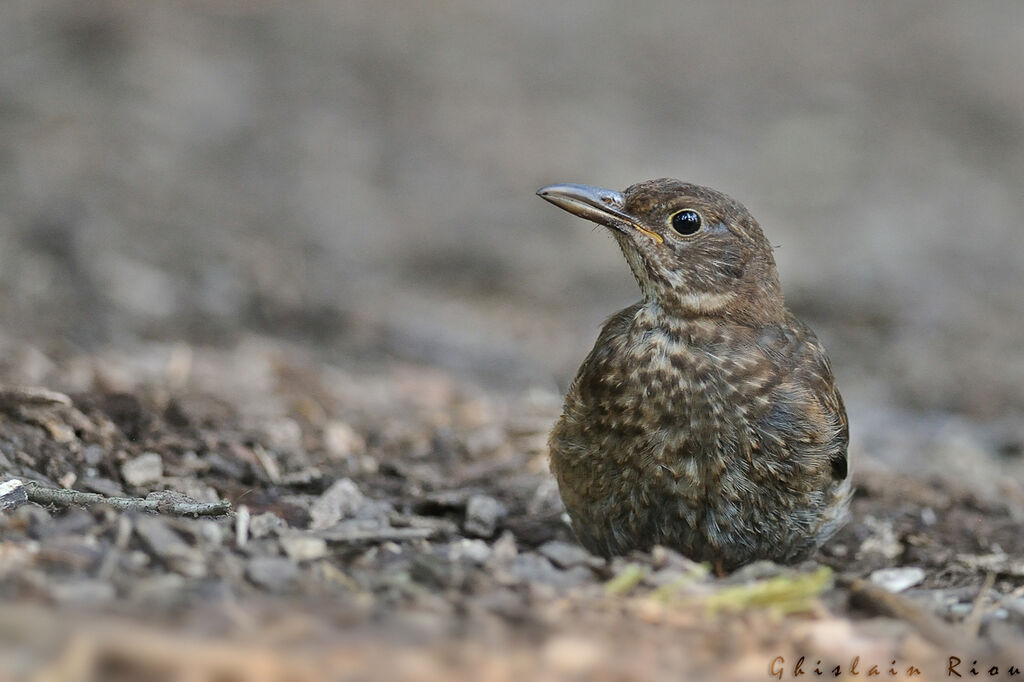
<point>596,204</point>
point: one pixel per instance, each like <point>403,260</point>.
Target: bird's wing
<point>804,410</point>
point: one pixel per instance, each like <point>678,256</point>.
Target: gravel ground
<point>288,258</point>
<point>402,523</point>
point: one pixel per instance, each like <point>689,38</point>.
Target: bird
<point>706,418</point>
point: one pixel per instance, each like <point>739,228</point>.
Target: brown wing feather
<point>805,408</point>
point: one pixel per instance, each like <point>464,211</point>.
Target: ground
<point>402,523</point>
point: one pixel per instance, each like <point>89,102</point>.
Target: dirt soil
<point>401,524</point>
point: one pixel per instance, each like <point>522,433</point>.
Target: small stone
<point>276,574</point>
<point>505,549</point>
<point>533,568</point>
<point>12,494</point>
<point>371,530</point>
<point>262,525</point>
<point>566,555</point>
<point>838,550</point>
<point>436,572</point>
<point>474,551</point>
<point>367,465</point>
<point>72,552</point>
<point>545,499</point>
<point>282,434</point>
<point>93,454</point>
<point>341,440</point>
<point>883,539</point>
<point>303,547</point>
<point>483,513</point>
<point>341,500</point>
<point>303,477</point>
<point>898,579</point>
<point>143,470</point>
<point>169,547</point>
<point>162,590</point>
<point>758,570</point>
<point>210,532</point>
<point>664,557</point>
<point>103,486</point>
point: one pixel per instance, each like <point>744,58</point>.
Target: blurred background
<point>359,178</point>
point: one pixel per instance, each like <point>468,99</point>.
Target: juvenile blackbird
<point>706,417</point>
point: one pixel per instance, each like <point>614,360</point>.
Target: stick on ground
<point>59,496</point>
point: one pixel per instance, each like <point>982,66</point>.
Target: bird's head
<point>693,250</point>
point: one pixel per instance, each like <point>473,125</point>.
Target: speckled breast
<point>656,446</point>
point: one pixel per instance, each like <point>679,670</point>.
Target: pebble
<point>276,574</point>
<point>103,486</point>
<point>758,570</point>
<point>483,513</point>
<point>883,539</point>
<point>303,547</point>
<point>93,454</point>
<point>12,494</point>
<point>211,532</point>
<point>437,572</point>
<point>143,470</point>
<point>504,549</point>
<point>75,553</point>
<point>567,555</point>
<point>898,579</point>
<point>158,590</point>
<point>534,568</point>
<point>343,499</point>
<point>169,547</point>
<point>283,434</point>
<point>262,525</point>
<point>665,558</point>
<point>474,551</point>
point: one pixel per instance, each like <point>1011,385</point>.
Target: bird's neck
<point>746,303</point>
<point>730,306</point>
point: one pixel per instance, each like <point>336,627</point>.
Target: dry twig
<point>973,621</point>
<point>43,495</point>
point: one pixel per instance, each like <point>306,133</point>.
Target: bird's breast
<point>669,389</point>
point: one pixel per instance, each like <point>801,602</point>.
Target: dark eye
<point>686,222</point>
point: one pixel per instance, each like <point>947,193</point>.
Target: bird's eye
<point>686,222</point>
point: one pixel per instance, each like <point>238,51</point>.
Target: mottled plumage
<point>706,417</point>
